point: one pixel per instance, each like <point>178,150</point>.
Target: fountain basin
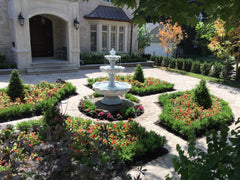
<point>110,70</point>
<point>111,92</point>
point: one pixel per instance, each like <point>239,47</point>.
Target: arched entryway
<point>41,34</point>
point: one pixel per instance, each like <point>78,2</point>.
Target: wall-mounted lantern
<point>21,19</point>
<point>76,23</point>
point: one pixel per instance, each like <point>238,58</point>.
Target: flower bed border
<point>27,110</point>
<point>180,129</point>
<point>92,111</point>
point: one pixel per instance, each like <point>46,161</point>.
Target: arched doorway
<point>41,33</point>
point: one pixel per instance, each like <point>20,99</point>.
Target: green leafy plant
<point>202,96</point>
<point>220,160</point>
<point>131,98</point>
<point>15,88</point>
<point>138,74</point>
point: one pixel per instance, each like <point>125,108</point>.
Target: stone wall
<point>5,37</point>
<point>86,8</point>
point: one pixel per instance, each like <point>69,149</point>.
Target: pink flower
<point>140,107</point>
<point>100,114</point>
<point>109,115</point>
<point>81,105</point>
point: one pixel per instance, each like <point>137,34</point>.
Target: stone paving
<point>160,167</point>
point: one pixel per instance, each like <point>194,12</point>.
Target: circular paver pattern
<point>158,168</point>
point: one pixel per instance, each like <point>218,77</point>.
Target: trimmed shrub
<point>216,70</point>
<point>196,67</point>
<point>2,57</point>
<point>205,68</point>
<point>138,74</point>
<point>179,64</point>
<point>16,87</point>
<point>165,62</point>
<point>228,68</point>
<point>158,60</point>
<point>153,58</point>
<point>172,63</point>
<point>202,96</point>
<point>187,64</point>
<point>147,56</point>
<point>7,65</point>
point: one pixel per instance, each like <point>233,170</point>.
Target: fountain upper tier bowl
<point>110,70</point>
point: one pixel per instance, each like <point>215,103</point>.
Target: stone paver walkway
<point>160,167</point>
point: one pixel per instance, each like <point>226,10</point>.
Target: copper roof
<point>108,13</point>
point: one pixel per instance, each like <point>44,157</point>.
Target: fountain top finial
<point>112,52</point>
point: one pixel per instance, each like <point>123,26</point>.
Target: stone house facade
<point>61,29</point>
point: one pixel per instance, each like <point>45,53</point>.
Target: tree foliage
<point>170,36</point>
<point>226,45</point>
<point>183,12</point>
<point>144,38</point>
<point>221,159</point>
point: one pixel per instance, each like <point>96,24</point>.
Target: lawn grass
<point>231,83</point>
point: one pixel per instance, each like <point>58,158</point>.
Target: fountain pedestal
<point>112,89</point>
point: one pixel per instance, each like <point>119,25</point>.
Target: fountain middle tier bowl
<point>112,57</point>
<point>110,70</point>
<point>118,89</point>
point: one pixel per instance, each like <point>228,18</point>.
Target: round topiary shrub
<point>202,96</point>
<point>16,87</point>
<point>138,74</point>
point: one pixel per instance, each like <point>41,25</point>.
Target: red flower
<point>2,162</point>
<point>31,144</point>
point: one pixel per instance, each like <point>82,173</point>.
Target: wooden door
<point>41,36</point>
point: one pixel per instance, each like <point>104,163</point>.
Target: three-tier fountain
<point>112,89</point>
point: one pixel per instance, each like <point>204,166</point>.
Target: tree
<point>183,12</point>
<point>226,45</point>
<point>170,36</point>
<point>144,38</point>
<point>204,33</point>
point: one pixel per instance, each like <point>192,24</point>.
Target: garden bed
<point>36,99</point>
<point>92,107</point>
<point>150,86</point>
<point>183,116</point>
<point>74,148</point>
